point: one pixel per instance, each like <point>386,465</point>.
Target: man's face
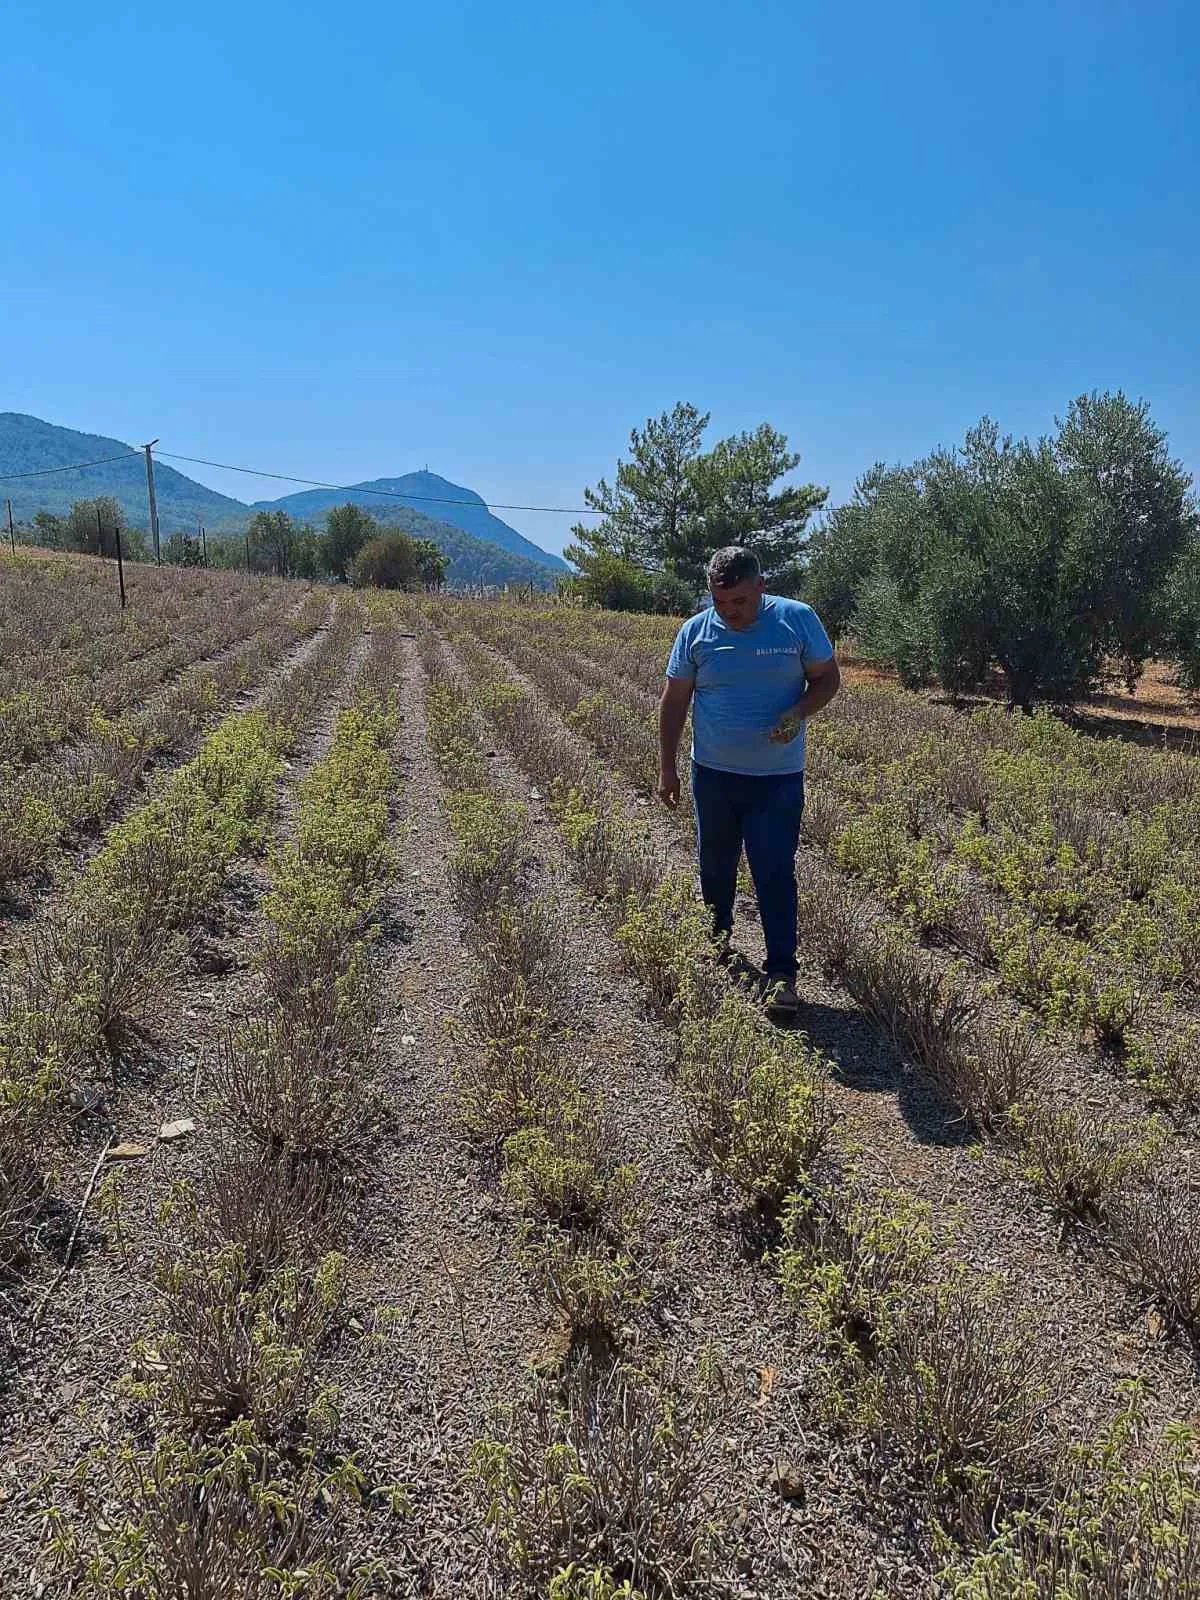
<point>737,605</point>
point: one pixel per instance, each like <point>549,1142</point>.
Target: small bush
<point>1078,1160</point>
<point>1167,1061</point>
<point>450,733</point>
<point>1155,1236</point>
<point>960,1392</point>
<point>298,1077</point>
<point>516,1071</point>
<point>528,941</point>
<point>108,969</point>
<point>610,1475</point>
<point>229,1346</point>
<point>561,1172</point>
<point>757,1104</point>
<point>273,1210</point>
<point>1115,1526</point>
<point>491,848</point>
<point>661,939</point>
<point>850,1260</point>
<point>205,1518</point>
<point>591,1277</point>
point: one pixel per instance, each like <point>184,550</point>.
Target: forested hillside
<point>29,445</point>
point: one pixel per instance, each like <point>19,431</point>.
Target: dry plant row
<point>590,1484</point>
<point>60,611</point>
<point>922,1354</point>
<point>84,987</point>
<point>1116,1178</point>
<point>236,1479</point>
<point>44,805</point>
<point>113,661</point>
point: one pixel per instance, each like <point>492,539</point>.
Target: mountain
<point>27,444</point>
<point>494,555</point>
<point>424,492</point>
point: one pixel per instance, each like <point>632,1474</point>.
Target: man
<point>759,666</point>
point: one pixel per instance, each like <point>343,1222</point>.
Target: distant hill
<point>27,444</point>
<point>427,493</point>
<point>494,555</point>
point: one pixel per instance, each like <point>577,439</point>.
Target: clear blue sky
<point>349,240</point>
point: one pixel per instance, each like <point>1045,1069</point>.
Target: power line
<point>310,483</point>
<point>391,494</point>
<point>74,466</point>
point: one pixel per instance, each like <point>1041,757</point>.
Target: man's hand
<point>824,680</point>
<point>668,788</point>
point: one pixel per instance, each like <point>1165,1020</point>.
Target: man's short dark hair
<point>731,566</point>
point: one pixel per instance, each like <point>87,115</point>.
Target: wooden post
<point>120,563</point>
<point>247,555</point>
<point>203,547</point>
<point>12,538</point>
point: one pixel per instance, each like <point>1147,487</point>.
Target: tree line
<point>353,547</point>
<point>1043,564</point>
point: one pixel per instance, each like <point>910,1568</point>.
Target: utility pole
<point>247,555</point>
<point>153,502</point>
<point>203,546</point>
<point>12,538</point>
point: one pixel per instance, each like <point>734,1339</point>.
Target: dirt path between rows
<point>434,1250</point>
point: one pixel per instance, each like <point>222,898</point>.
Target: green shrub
<point>757,1101</point>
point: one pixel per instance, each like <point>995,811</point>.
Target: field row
<point>71,659</point>
<point>89,978</point>
<point>102,760</point>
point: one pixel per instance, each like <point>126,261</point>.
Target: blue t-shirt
<point>746,679</point>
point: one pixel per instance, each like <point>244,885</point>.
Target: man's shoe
<point>723,948</point>
<point>783,1003</point>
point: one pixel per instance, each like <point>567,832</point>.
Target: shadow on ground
<point>864,1063</point>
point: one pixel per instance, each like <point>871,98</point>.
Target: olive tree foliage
<point>347,529</point>
<point>90,528</point>
<point>395,560</point>
<point>1139,512</point>
<point>272,540</point>
<point>672,503</point>
<point>614,584</point>
<point>181,550</point>
<point>1043,562</point>
<point>1180,615</point>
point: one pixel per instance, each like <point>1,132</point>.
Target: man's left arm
<point>823,679</point>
